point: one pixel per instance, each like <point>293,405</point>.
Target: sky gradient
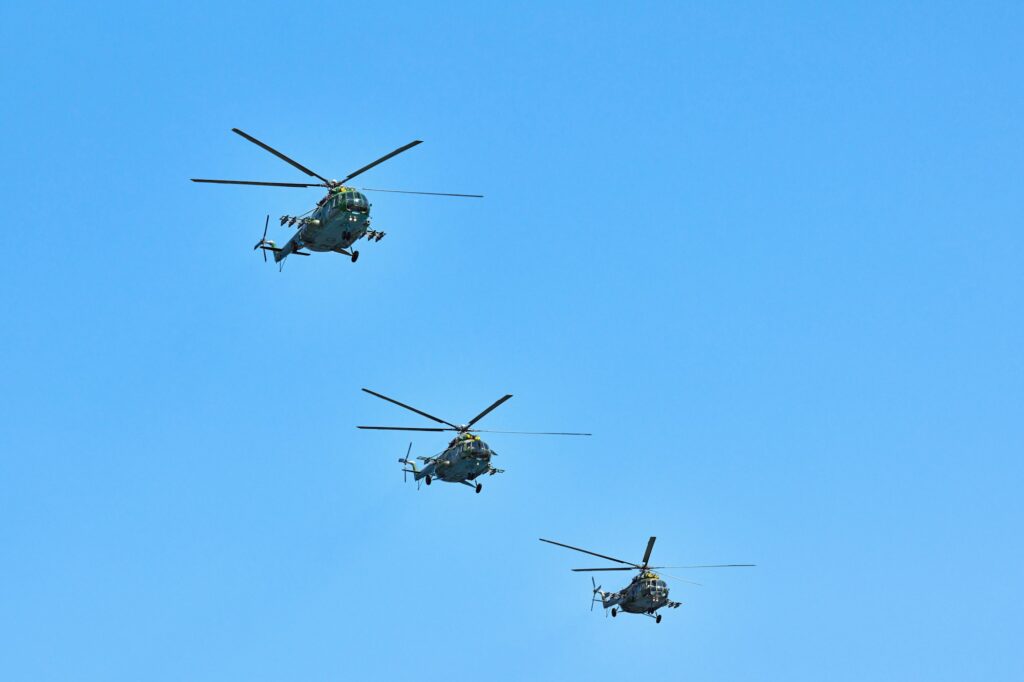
<point>770,255</point>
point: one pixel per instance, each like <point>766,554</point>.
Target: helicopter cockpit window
<point>355,201</point>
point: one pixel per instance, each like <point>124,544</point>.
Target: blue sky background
<point>770,254</point>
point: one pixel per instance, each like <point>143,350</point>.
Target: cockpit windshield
<point>355,202</point>
<point>655,587</point>
<point>476,447</point>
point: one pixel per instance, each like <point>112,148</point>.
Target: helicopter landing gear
<point>427,479</point>
<point>615,612</point>
<point>354,255</point>
<point>477,487</point>
<point>657,619</point>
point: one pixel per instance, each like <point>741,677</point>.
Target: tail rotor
<point>406,462</point>
<point>593,596</point>
<point>263,243</point>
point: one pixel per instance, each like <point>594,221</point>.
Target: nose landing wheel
<point>615,612</point>
<point>427,479</point>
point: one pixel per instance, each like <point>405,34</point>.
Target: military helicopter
<point>646,592</point>
<point>337,221</point>
<point>465,459</point>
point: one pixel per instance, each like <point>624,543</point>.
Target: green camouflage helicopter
<point>337,221</point>
<point>646,592</point>
<point>465,459</point>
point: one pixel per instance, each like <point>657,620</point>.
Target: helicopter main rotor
<point>643,566</point>
<point>460,429</point>
<point>324,182</point>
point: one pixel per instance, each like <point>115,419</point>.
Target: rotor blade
<point>409,407</point>
<point>433,194</point>
<point>381,160</point>
<point>260,182</point>
<point>633,569</point>
<point>682,580</point>
<point>653,568</point>
<point>483,414</point>
<point>647,554</point>
<point>587,551</point>
<point>280,155</point>
<point>266,226</point>
<point>534,433</point>
<point>404,428</point>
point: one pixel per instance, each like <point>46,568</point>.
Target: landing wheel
<point>427,479</point>
<point>657,619</point>
<point>355,256</point>
<point>479,487</point>
<point>615,612</point>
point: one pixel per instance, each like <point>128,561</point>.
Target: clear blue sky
<point>770,255</point>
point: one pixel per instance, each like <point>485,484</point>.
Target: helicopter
<point>337,221</point>
<point>466,458</point>
<point>646,592</point>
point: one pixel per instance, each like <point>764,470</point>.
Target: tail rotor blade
<point>405,464</point>
<point>266,226</point>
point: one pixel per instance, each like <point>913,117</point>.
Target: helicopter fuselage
<point>338,221</point>
<point>464,460</point>
<point>645,594</point>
